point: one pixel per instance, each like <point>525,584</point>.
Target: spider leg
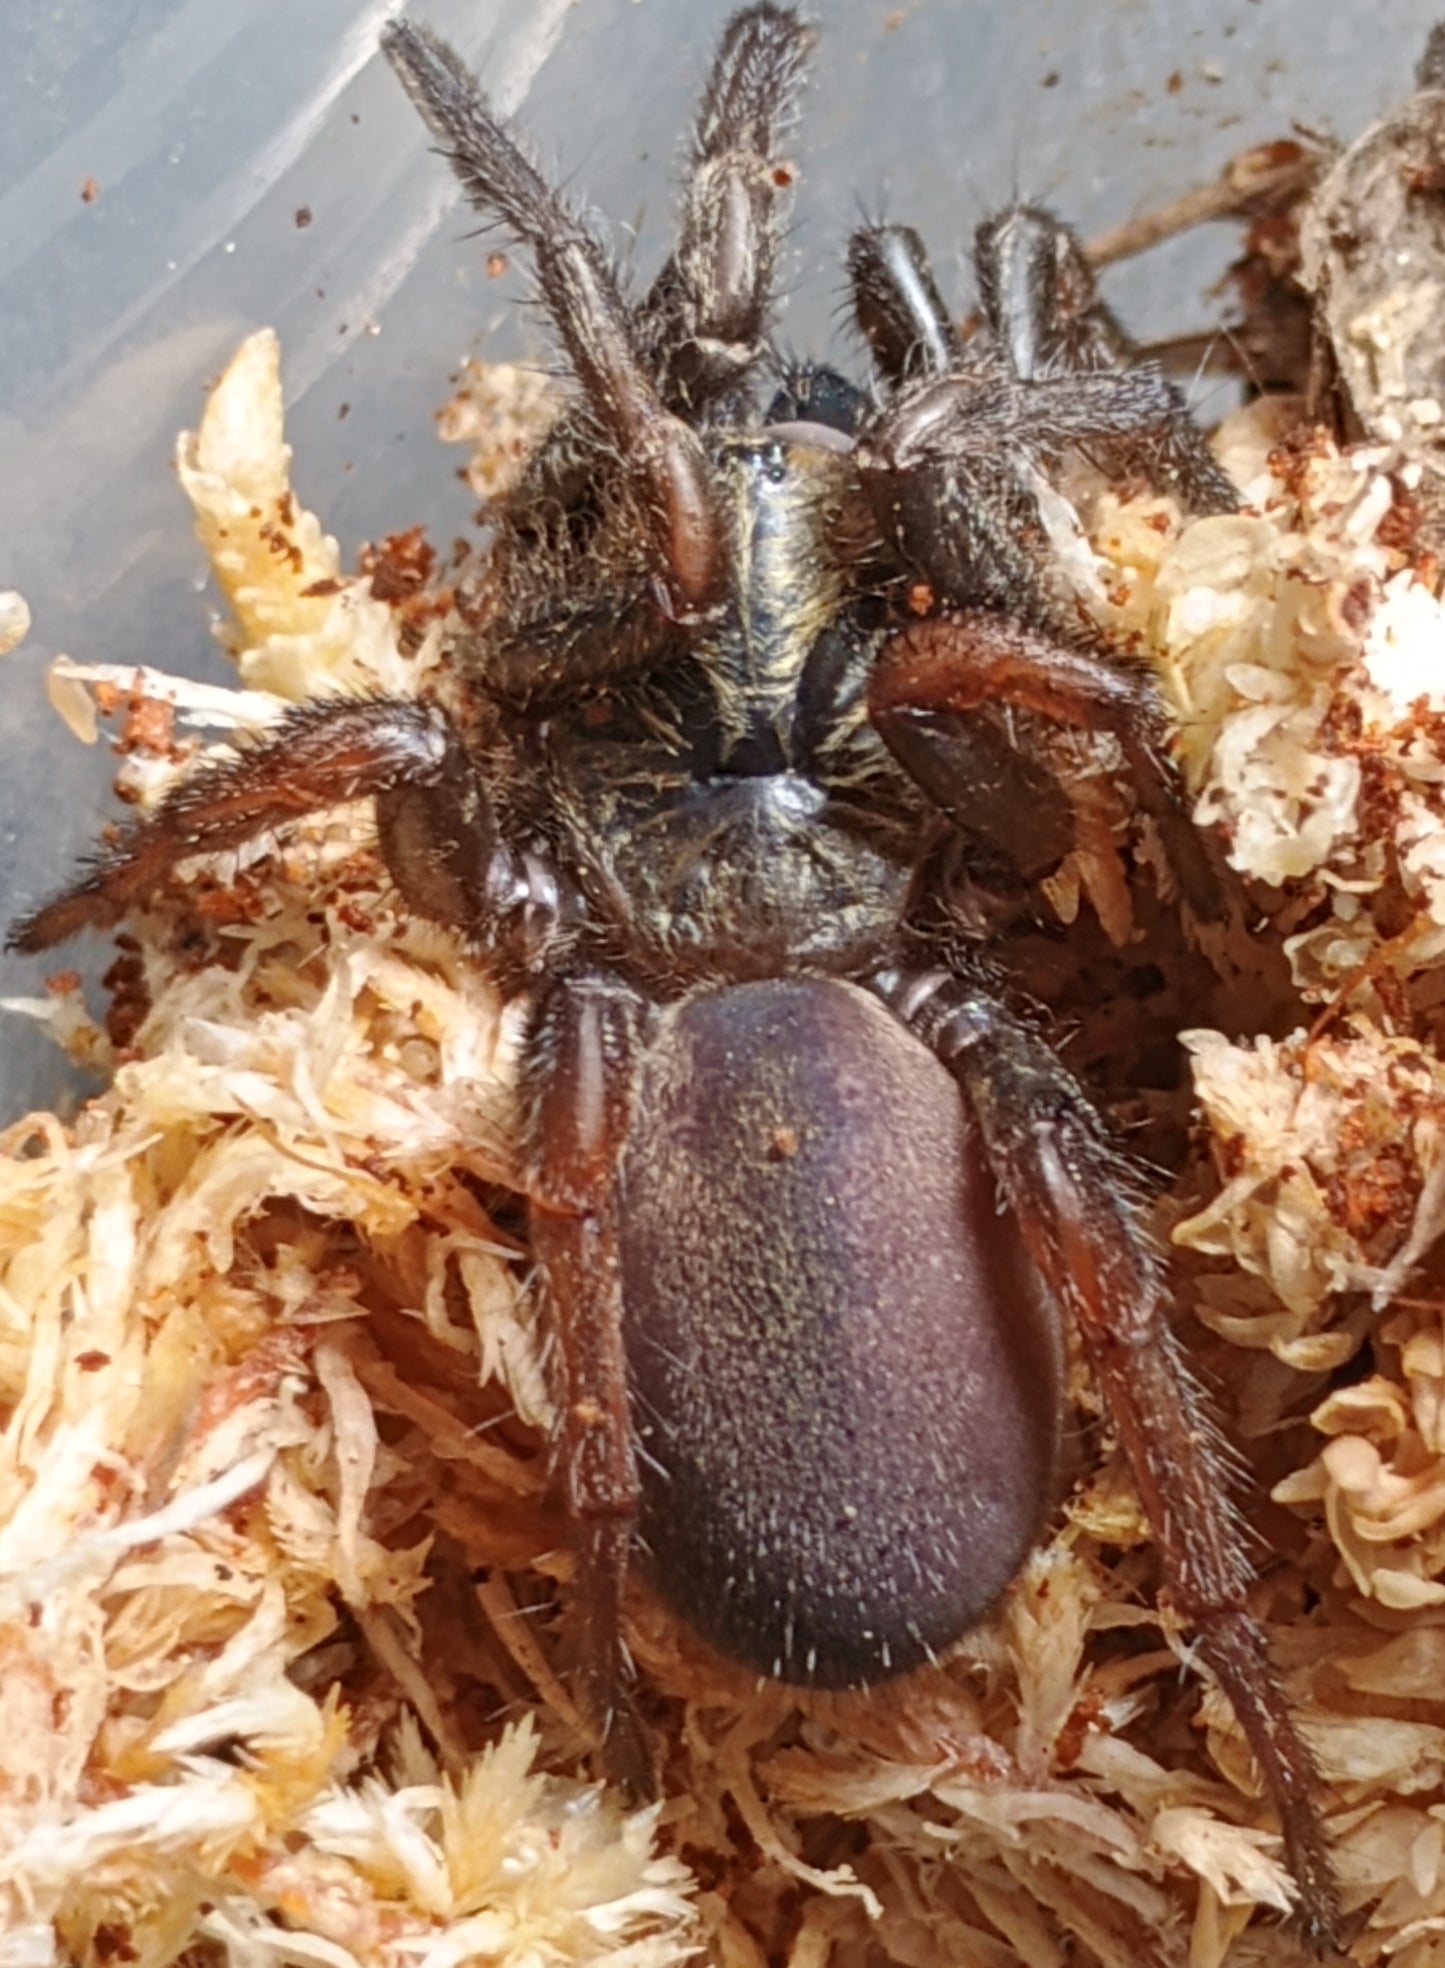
<point>705,316</point>
<point>1040,299</point>
<point>1075,1200</point>
<point>665,457</point>
<point>956,419</point>
<point>950,469</point>
<point>952,464</point>
<point>897,305</point>
<point>934,674</point>
<point>1046,318</point>
<point>438,833</point>
<point>585,1043</point>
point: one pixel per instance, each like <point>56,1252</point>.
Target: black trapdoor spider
<point>733,720</point>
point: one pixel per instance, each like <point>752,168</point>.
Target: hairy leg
<point>1076,1201</point>
<point>585,1044</point>
<point>436,824</point>
<point>1039,297</point>
<point>704,320</point>
<point>953,463</point>
<point>961,419</point>
<point>666,460</point>
<point>1046,318</point>
<point>898,307</point>
<point>935,676</point>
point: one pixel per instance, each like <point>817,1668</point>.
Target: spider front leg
<point>666,463</point>
<point>1075,1201</point>
<point>897,305</point>
<point>1041,303</point>
<point>704,319</point>
<point>933,679</point>
<point>952,465</point>
<point>586,1042</point>
<point>951,468</point>
<point>435,821</point>
<point>1047,320</point>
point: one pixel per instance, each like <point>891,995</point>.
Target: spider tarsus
<point>897,305</point>
<point>756,75</point>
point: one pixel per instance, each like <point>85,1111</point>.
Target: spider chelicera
<point>733,715</point>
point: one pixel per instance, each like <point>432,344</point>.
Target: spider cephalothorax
<point>727,731</point>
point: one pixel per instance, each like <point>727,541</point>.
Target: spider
<point>733,727</point>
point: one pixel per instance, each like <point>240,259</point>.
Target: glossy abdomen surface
<point>847,1383</point>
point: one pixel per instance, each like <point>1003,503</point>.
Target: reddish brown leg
<point>1076,1202</point>
<point>433,814</point>
<point>666,458</point>
<point>705,317</point>
<point>587,1040</point>
<point>965,662</point>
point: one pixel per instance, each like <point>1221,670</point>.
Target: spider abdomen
<point>846,1379</point>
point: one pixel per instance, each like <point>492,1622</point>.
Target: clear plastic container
<point>178,172</point>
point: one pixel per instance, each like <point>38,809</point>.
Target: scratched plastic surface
<point>158,158</point>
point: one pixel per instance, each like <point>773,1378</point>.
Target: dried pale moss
<point>501,413</point>
<point>282,1593</point>
<point>1300,644</point>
